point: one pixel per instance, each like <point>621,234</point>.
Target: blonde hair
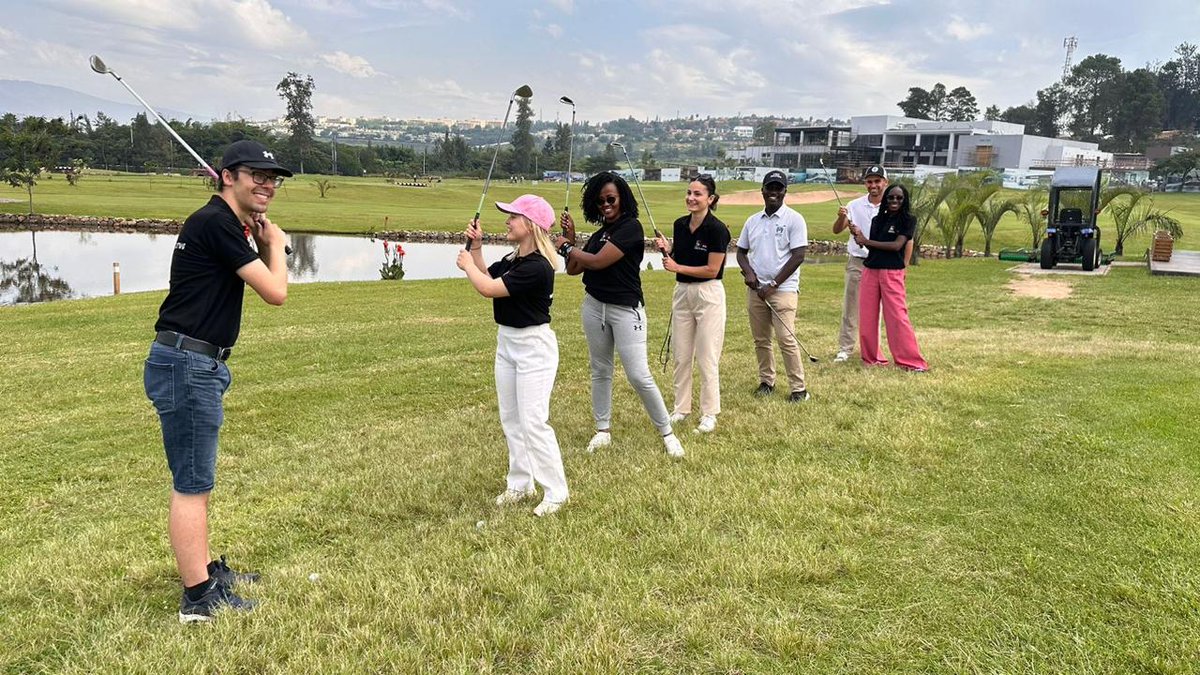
<point>541,241</point>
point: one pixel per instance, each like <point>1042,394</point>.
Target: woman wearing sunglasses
<point>883,284</point>
<point>614,312</point>
<point>698,305</point>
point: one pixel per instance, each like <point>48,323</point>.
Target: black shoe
<point>218,597</point>
<point>764,389</point>
<point>798,396</point>
<point>229,577</point>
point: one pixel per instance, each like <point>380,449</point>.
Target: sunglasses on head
<point>610,199</point>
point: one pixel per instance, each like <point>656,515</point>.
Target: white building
<point>743,132</point>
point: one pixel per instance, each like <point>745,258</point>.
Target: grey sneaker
<point>841,357</point>
<point>228,576</point>
<point>217,598</point>
<point>674,447</point>
<point>514,496</point>
<point>547,507</point>
<point>707,424</point>
<point>602,439</point>
<point>677,417</point>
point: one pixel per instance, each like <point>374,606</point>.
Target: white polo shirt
<point>860,212</point>
<point>770,240</point>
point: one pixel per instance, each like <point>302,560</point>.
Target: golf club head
<point>97,65</point>
<point>524,91</point>
<point>615,144</point>
<point>567,100</point>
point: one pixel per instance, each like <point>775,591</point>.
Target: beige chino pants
<point>697,336</point>
<point>762,322</point>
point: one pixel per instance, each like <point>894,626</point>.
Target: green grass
<point>1028,506</point>
<point>358,205</point>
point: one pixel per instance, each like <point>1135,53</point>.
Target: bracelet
<point>565,250</point>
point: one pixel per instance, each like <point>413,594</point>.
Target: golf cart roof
<point>1075,177</point>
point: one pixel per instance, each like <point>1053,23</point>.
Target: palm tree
<point>989,214</point>
<point>1029,207</point>
<point>1133,211</point>
<point>924,200</point>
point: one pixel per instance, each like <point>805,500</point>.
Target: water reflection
<point>25,280</point>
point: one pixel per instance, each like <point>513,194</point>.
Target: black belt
<point>181,341</point>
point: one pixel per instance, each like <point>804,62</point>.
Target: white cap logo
<point>268,155</point>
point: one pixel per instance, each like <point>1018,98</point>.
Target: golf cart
<point>1072,235</point>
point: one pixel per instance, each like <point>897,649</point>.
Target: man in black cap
<point>185,373</point>
<point>858,212</point>
<point>770,250</point>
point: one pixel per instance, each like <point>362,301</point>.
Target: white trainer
<point>707,424</point>
<point>547,507</point>
<point>674,447</point>
<point>677,417</point>
<point>602,439</point>
<point>841,357</point>
<point>514,496</point>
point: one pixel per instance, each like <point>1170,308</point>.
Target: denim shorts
<point>186,390</point>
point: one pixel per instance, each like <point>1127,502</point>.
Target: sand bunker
<point>754,198</point>
<point>1034,287</point>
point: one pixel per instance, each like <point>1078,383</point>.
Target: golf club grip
<point>467,246</point>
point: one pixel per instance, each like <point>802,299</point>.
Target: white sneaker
<point>674,447</point>
<point>707,424</point>
<point>678,417</point>
<point>602,439</point>
<point>547,507</point>
<point>514,496</point>
<point>841,357</point>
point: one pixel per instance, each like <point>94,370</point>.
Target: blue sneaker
<point>217,598</point>
<point>228,576</point>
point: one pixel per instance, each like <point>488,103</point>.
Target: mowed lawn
<point>1030,505</point>
<point>361,205</point>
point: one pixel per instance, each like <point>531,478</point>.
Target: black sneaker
<point>764,389</point>
<point>218,597</point>
<point>798,396</point>
<point>229,577</point>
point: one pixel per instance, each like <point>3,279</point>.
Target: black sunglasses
<point>610,199</point>
<point>895,198</point>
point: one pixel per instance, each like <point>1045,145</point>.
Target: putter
<point>524,92</point>
<point>639,187</point>
<point>571,150</point>
<point>811,358</point>
<point>825,172</point>
<point>99,66</point>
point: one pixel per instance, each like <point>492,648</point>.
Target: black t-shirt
<point>530,283</point>
<point>620,283</point>
<point>692,248</point>
<point>205,300</point>
<point>886,227</point>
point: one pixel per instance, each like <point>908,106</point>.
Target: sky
<point>646,59</point>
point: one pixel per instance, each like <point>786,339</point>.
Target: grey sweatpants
<point>608,327</point>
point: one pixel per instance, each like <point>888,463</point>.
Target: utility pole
<point>335,153</point>
<point>1070,43</point>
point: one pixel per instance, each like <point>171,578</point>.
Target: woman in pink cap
<point>521,285</point>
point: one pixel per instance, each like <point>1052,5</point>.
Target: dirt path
<point>1046,289</point>
<point>754,197</point>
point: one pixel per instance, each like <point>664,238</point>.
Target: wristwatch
<point>772,283</point>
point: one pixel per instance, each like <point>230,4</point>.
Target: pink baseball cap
<point>533,207</point>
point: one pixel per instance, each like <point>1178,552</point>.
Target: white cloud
<point>552,29</point>
<point>963,31</point>
<point>354,66</point>
<point>567,6</point>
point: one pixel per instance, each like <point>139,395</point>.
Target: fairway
<point>362,205</point>
<point>1027,506</point>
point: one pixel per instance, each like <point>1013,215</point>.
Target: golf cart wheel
<point>1089,255</point>
<point>1099,251</point>
<point>1046,258</point>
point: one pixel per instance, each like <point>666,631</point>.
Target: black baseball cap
<point>775,176</point>
<point>875,170</point>
<point>252,154</point>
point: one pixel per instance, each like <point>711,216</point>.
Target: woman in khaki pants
<point>697,258</point>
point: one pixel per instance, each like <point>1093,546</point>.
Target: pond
<point>80,264</point>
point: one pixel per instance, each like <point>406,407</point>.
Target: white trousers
<point>526,363</point>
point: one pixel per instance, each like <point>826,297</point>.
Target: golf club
<point>524,92</point>
<point>825,172</point>
<point>100,67</point>
<point>571,149</point>
<point>778,318</point>
<point>638,183</point>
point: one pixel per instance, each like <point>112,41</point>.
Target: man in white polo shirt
<point>769,251</point>
<point>858,212</point>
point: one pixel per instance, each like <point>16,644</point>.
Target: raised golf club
<point>524,91</point>
<point>570,150</point>
<point>825,172</point>
<point>778,318</point>
<point>99,66</point>
<point>638,183</point>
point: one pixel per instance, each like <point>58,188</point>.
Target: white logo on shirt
<point>180,245</point>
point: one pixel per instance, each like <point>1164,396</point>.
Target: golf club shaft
<point>166,126</point>
<point>641,195</point>
<point>825,172</point>
<point>789,330</point>
<point>570,157</point>
<point>488,181</point>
